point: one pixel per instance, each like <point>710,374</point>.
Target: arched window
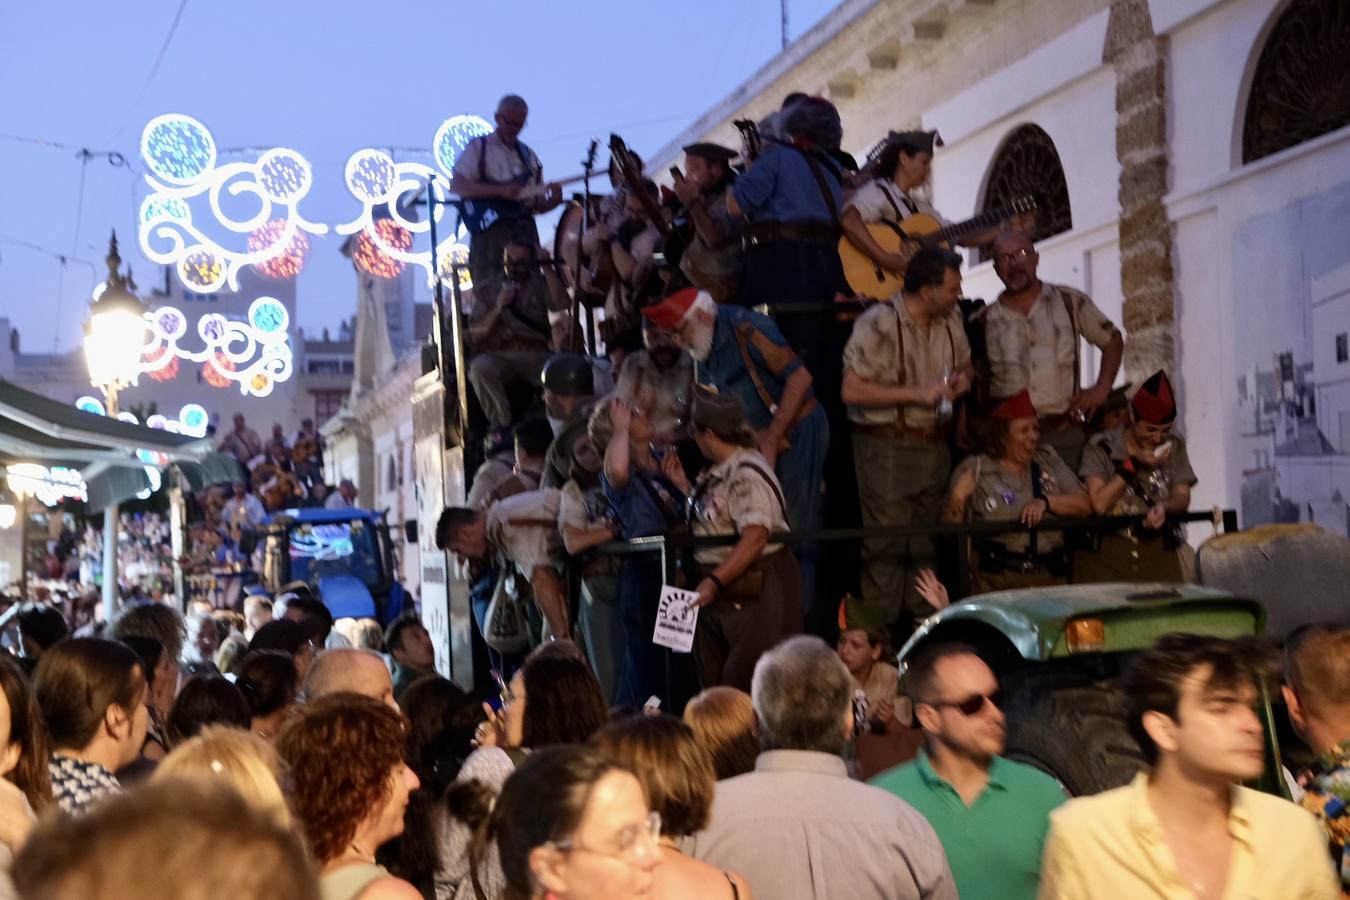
<point>1027,165</point>
<point>1301,87</point>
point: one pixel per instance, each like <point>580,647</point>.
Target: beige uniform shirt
<point>1036,352</point>
<point>503,163</point>
<point>874,354</point>
<point>731,496</point>
<point>523,529</point>
<point>878,200</point>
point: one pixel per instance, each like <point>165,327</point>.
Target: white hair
<point>702,301</point>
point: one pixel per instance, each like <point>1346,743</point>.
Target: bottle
<point>944,404</point>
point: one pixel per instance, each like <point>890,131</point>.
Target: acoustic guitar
<point>916,232</point>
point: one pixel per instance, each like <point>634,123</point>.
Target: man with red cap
<point>742,353</point>
<point>1138,469</point>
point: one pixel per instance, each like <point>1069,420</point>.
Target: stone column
<point>1139,57</point>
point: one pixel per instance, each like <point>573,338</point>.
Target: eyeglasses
<point>1003,259</point>
<point>629,846</point>
<point>971,705</point>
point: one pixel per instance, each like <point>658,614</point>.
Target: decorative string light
<point>379,251</point>
<point>375,179</point>
<point>180,158</point>
<point>286,264</point>
<point>254,355</point>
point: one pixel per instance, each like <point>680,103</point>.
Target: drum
<point>567,241</point>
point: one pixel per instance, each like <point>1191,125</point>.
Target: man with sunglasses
<point>990,813</point>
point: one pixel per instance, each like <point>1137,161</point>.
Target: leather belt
<point>899,431</point>
<point>774,232</point>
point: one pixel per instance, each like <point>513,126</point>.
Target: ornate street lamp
<point>113,342</point>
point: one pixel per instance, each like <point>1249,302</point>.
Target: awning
<point>37,429</point>
<point>214,468</point>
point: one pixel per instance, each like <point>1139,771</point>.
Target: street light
<point>113,340</point>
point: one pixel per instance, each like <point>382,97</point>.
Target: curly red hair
<point>339,753</point>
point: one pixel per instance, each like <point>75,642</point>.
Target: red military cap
<point>1154,402</point>
<point>671,311</point>
<point>1018,406</point>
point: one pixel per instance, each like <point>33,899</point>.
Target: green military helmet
<point>569,374</point>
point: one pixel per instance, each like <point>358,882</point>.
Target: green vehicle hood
<point>1034,619</point>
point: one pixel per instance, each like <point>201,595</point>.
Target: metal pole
<point>110,525</point>
<point>784,7</point>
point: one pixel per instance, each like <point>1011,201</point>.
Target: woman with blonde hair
<point>677,777</point>
<point>723,721</point>
<point>244,760</point>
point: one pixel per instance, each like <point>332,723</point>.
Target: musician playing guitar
<point>903,166</point>
<point>501,185</point>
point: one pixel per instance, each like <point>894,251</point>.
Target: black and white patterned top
<point>77,784</point>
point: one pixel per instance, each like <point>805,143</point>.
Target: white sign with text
<point>676,619</point>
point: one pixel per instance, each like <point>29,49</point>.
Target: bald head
<point>512,103</point>
<point>355,671</point>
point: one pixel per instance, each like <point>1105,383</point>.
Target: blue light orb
<point>268,316</point>
<point>284,175</point>
<point>157,207</point>
<point>177,148</point>
<point>370,175</point>
<point>454,135</point>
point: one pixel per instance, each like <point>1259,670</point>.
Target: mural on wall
<point>1292,334</point>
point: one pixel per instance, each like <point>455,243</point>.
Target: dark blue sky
<point>325,78</point>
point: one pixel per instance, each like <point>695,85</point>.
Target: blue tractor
<point>345,555</point>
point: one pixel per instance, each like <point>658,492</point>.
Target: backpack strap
<point>741,331</point>
<point>773,485</point>
<point>1073,325</point>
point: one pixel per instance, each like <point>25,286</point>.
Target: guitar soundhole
<point>1028,165</point>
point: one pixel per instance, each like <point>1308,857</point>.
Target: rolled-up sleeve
<point>753,189</point>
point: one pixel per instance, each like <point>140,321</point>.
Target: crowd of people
<point>131,763</point>
<point>746,392</point>
<point>273,752</point>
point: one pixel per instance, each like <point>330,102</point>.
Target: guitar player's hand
<point>897,262</point>
<point>1023,222</point>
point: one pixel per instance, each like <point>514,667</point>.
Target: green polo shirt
<point>994,845</point>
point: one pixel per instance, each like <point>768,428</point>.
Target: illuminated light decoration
<point>192,419</point>
<point>378,252</point>
<point>255,354</point>
<point>376,180</point>
<point>8,515</point>
<point>177,148</point>
<point>454,253</point>
<point>217,371</point>
<point>370,175</point>
<point>453,136</point>
<point>200,270</point>
<point>90,405</point>
<point>155,208</point>
<point>50,486</point>
<point>180,158</point>
<point>289,262</point>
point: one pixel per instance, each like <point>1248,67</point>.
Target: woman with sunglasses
<point>572,825</point>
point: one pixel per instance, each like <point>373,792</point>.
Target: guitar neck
<point>955,232</point>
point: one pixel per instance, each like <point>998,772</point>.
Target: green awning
<point>47,432</point>
<point>214,468</point>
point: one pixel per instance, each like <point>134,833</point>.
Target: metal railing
<point>669,545</point>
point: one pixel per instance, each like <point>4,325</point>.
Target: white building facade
<point>1192,159</point>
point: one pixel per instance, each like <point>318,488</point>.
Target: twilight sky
<point>324,78</point>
